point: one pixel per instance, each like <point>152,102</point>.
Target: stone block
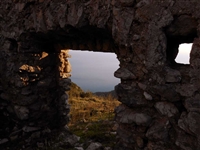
<point>166,108</point>
<point>21,112</point>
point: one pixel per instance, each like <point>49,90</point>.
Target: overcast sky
<point>94,71</point>
<point>184,53</point>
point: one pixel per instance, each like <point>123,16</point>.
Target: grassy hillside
<point>92,116</point>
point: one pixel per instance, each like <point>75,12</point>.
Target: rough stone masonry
<point>160,98</point>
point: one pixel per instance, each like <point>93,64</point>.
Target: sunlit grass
<point>92,109</point>
<point>92,117</point>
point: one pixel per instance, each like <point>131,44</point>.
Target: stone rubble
<point>95,146</point>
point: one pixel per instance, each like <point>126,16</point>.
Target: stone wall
<point>28,94</point>
<point>160,98</point>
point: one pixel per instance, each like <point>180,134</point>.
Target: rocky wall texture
<point>27,94</point>
<point>160,98</point>
<point>33,99</point>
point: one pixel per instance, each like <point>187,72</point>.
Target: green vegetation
<point>92,116</point>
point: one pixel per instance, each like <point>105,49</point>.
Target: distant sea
<point>94,71</point>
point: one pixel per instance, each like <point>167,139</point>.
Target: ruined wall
<point>160,98</point>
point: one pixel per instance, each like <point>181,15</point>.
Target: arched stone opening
<point>38,107</point>
<point>182,30</point>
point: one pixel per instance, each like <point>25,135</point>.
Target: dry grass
<point>92,108</point>
<point>92,116</point>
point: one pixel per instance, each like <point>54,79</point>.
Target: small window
<point>183,56</point>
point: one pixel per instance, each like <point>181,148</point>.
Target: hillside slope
<point>92,117</point>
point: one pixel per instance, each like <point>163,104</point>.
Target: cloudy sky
<point>94,71</point>
<point>184,53</point>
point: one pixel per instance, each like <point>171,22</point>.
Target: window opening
<point>92,103</point>
<point>183,56</point>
